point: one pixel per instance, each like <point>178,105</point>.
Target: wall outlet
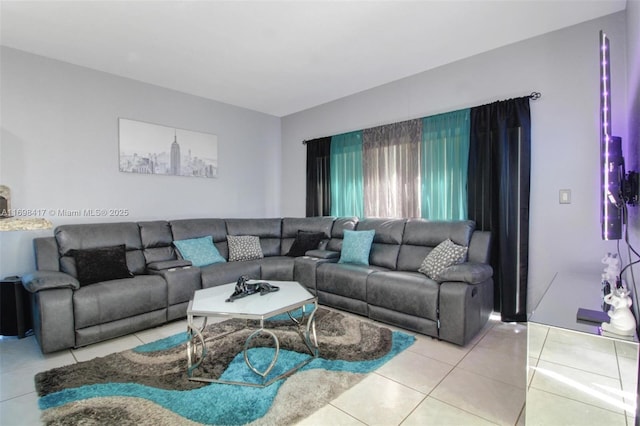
<point>565,196</point>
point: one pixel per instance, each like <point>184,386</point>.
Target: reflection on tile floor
<point>431,383</point>
<point>578,379</point>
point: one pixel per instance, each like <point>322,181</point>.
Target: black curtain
<point>319,177</point>
<point>498,189</point>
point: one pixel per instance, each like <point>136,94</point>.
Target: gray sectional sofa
<point>390,289</point>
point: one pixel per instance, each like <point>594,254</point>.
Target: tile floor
<point>431,383</point>
<point>576,378</point>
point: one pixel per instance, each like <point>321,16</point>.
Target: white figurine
<point>622,320</point>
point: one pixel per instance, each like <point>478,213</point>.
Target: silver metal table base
<point>197,349</point>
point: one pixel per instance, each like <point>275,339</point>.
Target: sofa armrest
<point>323,254</point>
<point>47,280</point>
<point>53,321</point>
<point>304,270</point>
<point>464,309</point>
<point>468,272</point>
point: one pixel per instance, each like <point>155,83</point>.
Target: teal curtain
<point>445,157</point>
<point>347,189</point>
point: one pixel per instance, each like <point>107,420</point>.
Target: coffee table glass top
<point>211,301</point>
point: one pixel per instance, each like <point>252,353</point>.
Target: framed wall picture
<point>160,150</point>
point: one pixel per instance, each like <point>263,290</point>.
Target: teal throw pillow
<point>199,251</point>
<point>356,246</point>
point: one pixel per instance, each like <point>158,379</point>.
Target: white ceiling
<point>279,57</point>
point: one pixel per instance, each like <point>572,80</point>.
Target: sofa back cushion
<point>156,240</point>
<point>185,229</point>
<point>98,235</point>
<point>47,256</point>
<point>291,226</point>
<point>337,231</point>
<point>269,231</point>
<point>421,236</point>
<point>386,241</point>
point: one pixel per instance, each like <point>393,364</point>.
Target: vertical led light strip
<point>605,135</point>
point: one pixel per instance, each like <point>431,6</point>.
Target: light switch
<point>565,196</point>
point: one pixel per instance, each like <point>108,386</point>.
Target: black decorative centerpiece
<point>245,288</point>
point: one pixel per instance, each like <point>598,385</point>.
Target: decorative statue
<point>622,320</point>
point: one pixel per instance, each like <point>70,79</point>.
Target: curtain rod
<point>533,96</point>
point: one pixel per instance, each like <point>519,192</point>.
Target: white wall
<point>59,150</point>
<point>563,66</point>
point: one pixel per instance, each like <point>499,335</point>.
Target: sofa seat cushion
<point>225,273</point>
<point>112,300</point>
<point>409,292</point>
<point>345,279</point>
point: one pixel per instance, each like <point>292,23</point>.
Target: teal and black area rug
<point>148,385</point>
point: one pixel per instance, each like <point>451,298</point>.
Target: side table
<point>15,309</point>
<point>578,373</point>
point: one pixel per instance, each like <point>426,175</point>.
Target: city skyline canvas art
<point>149,148</point>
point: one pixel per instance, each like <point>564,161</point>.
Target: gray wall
<point>59,150</point>
<point>563,66</point>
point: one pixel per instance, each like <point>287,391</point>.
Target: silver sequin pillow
<point>445,254</point>
<point>245,247</point>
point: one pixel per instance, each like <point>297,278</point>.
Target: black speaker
<point>15,308</point>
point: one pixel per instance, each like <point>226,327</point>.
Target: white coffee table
<point>210,302</point>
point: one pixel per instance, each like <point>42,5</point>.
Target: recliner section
<point>389,289</point>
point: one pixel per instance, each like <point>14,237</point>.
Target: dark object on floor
<point>15,311</point>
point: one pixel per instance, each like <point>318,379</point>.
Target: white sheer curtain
<point>391,169</point>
